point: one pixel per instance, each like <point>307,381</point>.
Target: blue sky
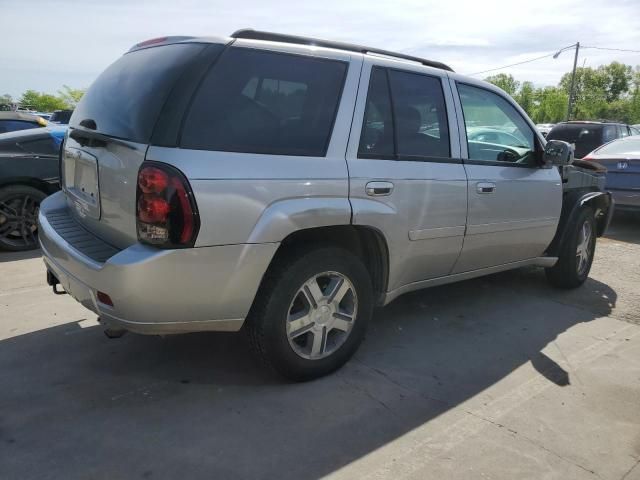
<point>70,42</point>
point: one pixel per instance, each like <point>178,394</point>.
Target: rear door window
<point>610,132</point>
<point>256,101</point>
<point>377,137</point>
<point>411,127</point>
<point>127,97</point>
<point>420,115</point>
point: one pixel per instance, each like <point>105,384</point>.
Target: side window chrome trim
<point>409,158</point>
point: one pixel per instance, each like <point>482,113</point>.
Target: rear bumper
<point>157,291</point>
<point>626,199</point>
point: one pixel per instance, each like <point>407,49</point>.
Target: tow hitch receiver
<point>53,281</point>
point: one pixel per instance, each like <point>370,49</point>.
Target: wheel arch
<point>367,243</point>
<point>46,187</point>
<point>572,202</point>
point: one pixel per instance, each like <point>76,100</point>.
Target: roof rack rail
<point>280,37</point>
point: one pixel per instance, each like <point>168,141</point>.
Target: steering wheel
<point>508,155</point>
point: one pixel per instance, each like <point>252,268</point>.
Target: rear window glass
<point>576,133</point>
<point>13,125</point>
<point>264,102</point>
<point>62,116</point>
<point>127,97</point>
<point>630,146</point>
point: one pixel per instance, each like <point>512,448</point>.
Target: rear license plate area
<point>80,175</point>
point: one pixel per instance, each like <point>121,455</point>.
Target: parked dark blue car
<point>28,173</point>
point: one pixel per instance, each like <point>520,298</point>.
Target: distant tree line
<point>609,92</point>
<point>66,98</point>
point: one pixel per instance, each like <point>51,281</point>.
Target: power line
<point>614,49</point>
<point>551,55</point>
<point>513,64</point>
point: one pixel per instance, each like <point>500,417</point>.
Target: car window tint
<point>420,115</point>
<point>14,125</point>
<point>622,131</point>
<point>496,132</point>
<point>413,126</point>
<point>377,134</point>
<point>609,133</point>
<point>255,101</point>
<point>126,99</point>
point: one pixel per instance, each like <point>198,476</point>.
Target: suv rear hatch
<point>111,129</point>
<point>584,136</point>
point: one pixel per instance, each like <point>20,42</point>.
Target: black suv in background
<point>61,117</point>
<point>587,136</point>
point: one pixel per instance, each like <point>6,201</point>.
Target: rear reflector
<point>105,299</point>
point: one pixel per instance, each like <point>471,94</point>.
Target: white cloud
<point>75,40</point>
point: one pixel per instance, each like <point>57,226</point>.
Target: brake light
<point>152,180</point>
<point>152,41</point>
<point>588,159</point>
<point>166,212</point>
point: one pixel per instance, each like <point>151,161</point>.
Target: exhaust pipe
<point>112,332</point>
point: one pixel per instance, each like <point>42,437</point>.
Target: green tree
<point>71,96</point>
<point>5,101</point>
<point>526,97</point>
<point>505,82</point>
<point>42,102</point>
<point>551,105</point>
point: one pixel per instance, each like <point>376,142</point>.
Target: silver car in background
<point>286,186</point>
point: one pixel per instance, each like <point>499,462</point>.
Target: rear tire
<point>19,205</point>
<point>311,312</point>
<point>576,253</point>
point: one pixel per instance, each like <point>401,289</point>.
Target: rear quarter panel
<point>261,198</point>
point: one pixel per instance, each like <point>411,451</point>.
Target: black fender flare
<point>572,202</point>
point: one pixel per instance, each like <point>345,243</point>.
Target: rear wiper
<point>92,138</point>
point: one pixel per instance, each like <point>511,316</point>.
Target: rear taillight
<point>587,158</point>
<point>166,212</point>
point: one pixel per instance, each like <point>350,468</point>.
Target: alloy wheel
<point>321,315</point>
<point>19,220</point>
<point>584,248</point>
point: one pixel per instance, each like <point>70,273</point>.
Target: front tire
<point>576,253</point>
<point>311,312</point>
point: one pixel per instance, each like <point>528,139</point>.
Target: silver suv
<point>287,186</point>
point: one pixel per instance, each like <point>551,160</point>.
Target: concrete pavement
<point>500,377</point>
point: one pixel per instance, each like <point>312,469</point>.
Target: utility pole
<point>573,81</point>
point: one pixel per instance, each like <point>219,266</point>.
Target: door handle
<point>379,189</point>
<point>485,187</point>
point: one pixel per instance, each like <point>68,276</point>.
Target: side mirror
<point>557,152</point>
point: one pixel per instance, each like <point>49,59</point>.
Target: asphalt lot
<point>500,377</point>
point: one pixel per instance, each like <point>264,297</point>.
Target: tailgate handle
<point>379,189</point>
